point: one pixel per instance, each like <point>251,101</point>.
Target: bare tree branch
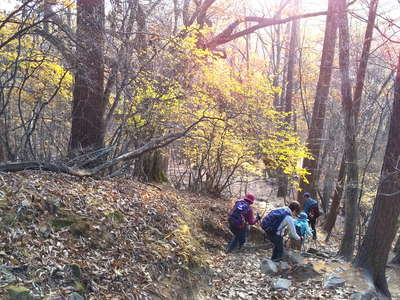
<point>228,34</point>
<point>153,144</point>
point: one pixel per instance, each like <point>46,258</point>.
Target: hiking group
<point>274,223</point>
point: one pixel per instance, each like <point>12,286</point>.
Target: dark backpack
<point>311,208</point>
<point>272,221</point>
<point>314,212</point>
<point>236,217</point>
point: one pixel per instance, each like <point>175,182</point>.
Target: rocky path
<point>251,275</point>
<point>317,275</point>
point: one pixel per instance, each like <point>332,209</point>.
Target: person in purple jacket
<point>241,215</point>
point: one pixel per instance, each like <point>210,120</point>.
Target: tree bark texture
<point>382,226</point>
<point>396,250</point>
<point>362,67</point>
<point>361,71</point>
<point>350,148</point>
<point>87,128</point>
<point>337,197</point>
<point>292,62</point>
<point>152,166</point>
<point>290,80</point>
<point>314,139</point>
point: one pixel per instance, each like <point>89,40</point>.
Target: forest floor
<point>63,237</point>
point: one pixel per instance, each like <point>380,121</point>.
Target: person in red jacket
<point>241,215</point>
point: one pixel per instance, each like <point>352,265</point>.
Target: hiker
<point>274,225</point>
<point>241,215</point>
<point>303,230</point>
<point>312,211</point>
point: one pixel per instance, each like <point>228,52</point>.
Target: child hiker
<point>303,230</point>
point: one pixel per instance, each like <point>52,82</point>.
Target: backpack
<point>314,212</point>
<point>311,205</point>
<point>272,221</point>
<point>236,217</point>
<point>301,228</point>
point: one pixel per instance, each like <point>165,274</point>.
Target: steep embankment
<point>102,239</point>
<point>67,238</point>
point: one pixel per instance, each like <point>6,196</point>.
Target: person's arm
<point>292,228</point>
<point>308,230</point>
<point>250,217</point>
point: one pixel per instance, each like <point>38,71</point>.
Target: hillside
<point>69,238</point>
<point>107,239</point>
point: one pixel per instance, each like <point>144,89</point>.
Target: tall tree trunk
<point>292,62</point>
<point>318,116</point>
<point>276,62</point>
<point>150,166</point>
<point>351,110</point>
<point>337,197</point>
<point>87,129</point>
<point>362,67</point>
<point>350,148</point>
<point>327,190</point>
<point>281,106</point>
<point>331,219</point>
<point>382,226</point>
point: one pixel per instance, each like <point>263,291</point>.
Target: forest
<point>206,100</point>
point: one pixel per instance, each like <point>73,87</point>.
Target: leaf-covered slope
<point>103,239</point>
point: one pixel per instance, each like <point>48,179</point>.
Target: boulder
<point>268,267</point>
<point>294,258</point>
<point>256,235</point>
<point>18,293</point>
<point>284,266</point>
<point>75,296</point>
<point>333,281</point>
<point>369,295</point>
<point>281,284</point>
<point>304,272</point>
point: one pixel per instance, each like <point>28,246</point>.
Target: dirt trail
<point>238,276</point>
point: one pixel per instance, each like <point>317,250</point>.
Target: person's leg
<point>277,240</point>
<point>241,236</point>
<point>279,248</point>
<point>313,222</point>
<point>235,240</point>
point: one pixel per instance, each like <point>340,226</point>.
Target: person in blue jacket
<point>274,225</point>
<point>241,215</point>
<point>312,211</point>
<point>303,229</point>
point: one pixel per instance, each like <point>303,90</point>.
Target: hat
<point>303,216</point>
<point>250,198</point>
<point>306,194</point>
